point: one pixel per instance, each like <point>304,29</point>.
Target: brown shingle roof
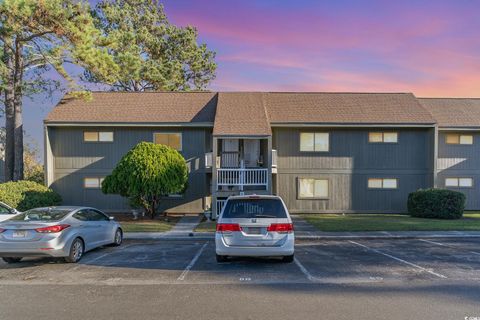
<point>137,107</point>
<point>343,108</point>
<point>241,114</point>
<point>454,112</point>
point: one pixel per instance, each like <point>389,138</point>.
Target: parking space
<point>193,262</point>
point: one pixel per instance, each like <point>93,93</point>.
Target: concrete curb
<point>207,236</point>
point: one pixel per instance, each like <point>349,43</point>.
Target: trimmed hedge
<point>436,204</point>
<point>25,195</point>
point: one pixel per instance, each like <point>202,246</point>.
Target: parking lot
<point>193,262</point>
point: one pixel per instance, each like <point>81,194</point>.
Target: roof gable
<point>241,114</point>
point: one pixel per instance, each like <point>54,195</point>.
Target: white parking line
<point>84,261</point>
<point>304,270</point>
<point>399,260</point>
<point>449,246</point>
<point>192,263</point>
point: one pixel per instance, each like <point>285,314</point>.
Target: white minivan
<point>254,226</point>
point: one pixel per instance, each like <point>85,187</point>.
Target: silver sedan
<point>66,232</point>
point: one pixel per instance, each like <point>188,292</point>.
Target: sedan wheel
<point>76,251</point>
<point>12,259</point>
<point>118,238</point>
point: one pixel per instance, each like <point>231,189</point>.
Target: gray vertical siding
<point>460,161</point>
<point>74,159</point>
<point>349,163</point>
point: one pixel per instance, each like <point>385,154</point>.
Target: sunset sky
<point>430,48</point>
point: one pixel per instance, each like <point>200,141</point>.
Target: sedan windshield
<point>46,214</point>
<point>254,208</point>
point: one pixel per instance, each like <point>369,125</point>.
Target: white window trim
<point>383,137</point>
<point>458,183</point>
<point>313,132</point>
<point>313,198</point>
<point>181,138</point>
<point>99,179</point>
<point>459,139</point>
<point>383,183</point>
<point>98,136</point>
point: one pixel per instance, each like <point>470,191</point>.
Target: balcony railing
<point>230,159</point>
<point>241,177</point>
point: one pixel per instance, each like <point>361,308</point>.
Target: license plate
<point>19,234</point>
<point>254,230</point>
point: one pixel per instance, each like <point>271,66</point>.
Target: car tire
<point>77,249</point>
<point>288,259</point>
<point>118,238</point>
<point>221,259</point>
<point>12,259</point>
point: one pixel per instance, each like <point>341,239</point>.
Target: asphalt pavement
<point>349,279</point>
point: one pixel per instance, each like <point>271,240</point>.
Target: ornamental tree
<point>147,173</point>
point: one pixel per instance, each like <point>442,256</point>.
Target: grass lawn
<point>391,222</point>
<point>146,225</point>
<point>206,226</point>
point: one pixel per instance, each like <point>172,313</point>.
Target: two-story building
<point>322,152</point>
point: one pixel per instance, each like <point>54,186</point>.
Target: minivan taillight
<point>2,230</point>
<point>228,227</point>
<point>53,229</point>
<point>280,227</point>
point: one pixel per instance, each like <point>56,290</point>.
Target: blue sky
<point>430,48</point>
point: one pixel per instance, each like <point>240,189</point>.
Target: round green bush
<point>25,195</point>
<point>436,204</point>
<point>147,173</point>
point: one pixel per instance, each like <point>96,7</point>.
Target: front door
<point>230,152</point>
<point>251,150</point>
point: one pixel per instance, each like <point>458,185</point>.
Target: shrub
<point>147,173</point>
<point>25,195</point>
<point>436,204</point>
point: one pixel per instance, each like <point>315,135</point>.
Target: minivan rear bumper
<point>223,249</point>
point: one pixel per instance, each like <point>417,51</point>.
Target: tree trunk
<point>18,123</point>
<point>153,207</point>
<point>9,110</point>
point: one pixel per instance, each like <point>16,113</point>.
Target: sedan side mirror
<point>111,218</point>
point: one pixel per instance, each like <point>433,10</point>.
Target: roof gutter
<point>127,124</point>
<point>351,125</point>
<point>458,128</point>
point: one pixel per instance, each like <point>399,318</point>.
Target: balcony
<point>242,177</point>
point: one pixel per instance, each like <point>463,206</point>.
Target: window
<point>96,136</point>
<point>382,183</point>
<point>254,208</point>
<point>314,141</point>
<point>459,182</point>
<point>312,188</point>
<point>93,183</point>
<point>456,138</point>
<point>383,137</point>
<point>81,215</point>
<point>94,215</point>
<point>173,140</point>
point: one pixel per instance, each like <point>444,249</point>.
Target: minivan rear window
<point>41,215</point>
<point>254,208</point>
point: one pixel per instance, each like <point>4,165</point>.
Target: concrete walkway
<point>186,225</point>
